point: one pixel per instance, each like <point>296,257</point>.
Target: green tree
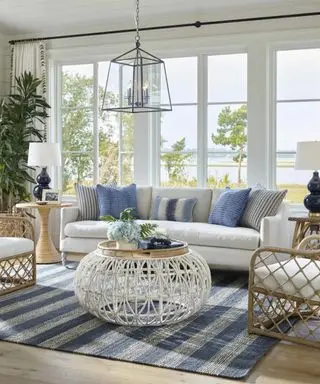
<point>232,132</point>
<point>77,135</point>
<point>176,160</point>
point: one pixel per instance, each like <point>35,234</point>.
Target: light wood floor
<point>285,364</point>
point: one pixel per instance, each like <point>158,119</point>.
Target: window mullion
<point>95,123</point>
<point>202,129</point>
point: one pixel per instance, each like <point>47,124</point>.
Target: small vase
<point>123,244</point>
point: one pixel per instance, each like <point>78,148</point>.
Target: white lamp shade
<point>308,155</point>
<point>44,154</point>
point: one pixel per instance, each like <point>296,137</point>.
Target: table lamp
<point>42,155</point>
<point>308,158</point>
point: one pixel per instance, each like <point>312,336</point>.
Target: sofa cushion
<point>229,207</point>
<point>210,235</point>
<point>144,195</point>
<point>261,203</point>
<point>12,246</point>
<point>113,200</point>
<point>87,228</point>
<point>87,201</point>
<point>164,208</point>
<point>216,193</point>
<point>203,195</point>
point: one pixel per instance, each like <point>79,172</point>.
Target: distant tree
<point>77,91</point>
<point>232,132</point>
<point>78,134</point>
<point>176,160</point>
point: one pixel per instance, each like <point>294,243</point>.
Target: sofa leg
<point>63,259</point>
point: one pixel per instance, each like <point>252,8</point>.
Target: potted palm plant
<point>22,115</point>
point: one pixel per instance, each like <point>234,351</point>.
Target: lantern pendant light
<point>137,81</point>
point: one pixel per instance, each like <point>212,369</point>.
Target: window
<point>298,104</point>
<point>77,125</point>
<point>179,128</point>
<point>97,146</point>
<point>227,120</point>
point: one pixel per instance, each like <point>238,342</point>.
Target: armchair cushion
<point>297,277</point>
<point>12,246</point>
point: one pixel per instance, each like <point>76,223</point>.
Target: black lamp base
<point>43,180</point>
<point>312,201</point>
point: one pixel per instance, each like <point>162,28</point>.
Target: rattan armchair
<point>17,254</point>
<point>284,292</point>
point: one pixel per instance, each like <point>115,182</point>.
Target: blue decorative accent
<point>229,207</point>
<point>312,201</point>
<point>43,180</point>
<point>113,200</point>
<point>164,208</point>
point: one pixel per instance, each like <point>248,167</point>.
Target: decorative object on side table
<point>126,231</point>
<point>308,158</point>
<point>51,196</point>
<point>43,155</point>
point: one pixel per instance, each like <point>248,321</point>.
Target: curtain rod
<point>196,24</point>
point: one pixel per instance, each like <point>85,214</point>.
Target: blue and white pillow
<point>112,201</point>
<point>164,208</point>
<point>229,207</point>
<point>87,201</point>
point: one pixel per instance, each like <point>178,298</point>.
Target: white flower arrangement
<point>126,228</point>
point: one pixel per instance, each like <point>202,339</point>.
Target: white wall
<point>2,61</point>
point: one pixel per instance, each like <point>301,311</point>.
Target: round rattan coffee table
<point>142,287</point>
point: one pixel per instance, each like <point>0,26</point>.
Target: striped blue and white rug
<point>214,342</point>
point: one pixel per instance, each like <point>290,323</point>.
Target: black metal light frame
<point>140,59</point>
<point>137,101</point>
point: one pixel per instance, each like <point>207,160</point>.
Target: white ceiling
<point>60,16</point>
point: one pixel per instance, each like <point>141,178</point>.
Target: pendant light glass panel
<point>137,82</point>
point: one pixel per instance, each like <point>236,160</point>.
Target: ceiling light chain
<point>137,81</point>
<point>137,24</point>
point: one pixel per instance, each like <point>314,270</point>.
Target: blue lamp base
<point>43,180</point>
<point>312,201</point>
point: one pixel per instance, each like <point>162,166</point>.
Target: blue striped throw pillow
<point>164,208</point>
<point>229,207</point>
<point>87,201</point>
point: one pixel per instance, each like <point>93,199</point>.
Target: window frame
<point>58,68</point>
<point>273,102</point>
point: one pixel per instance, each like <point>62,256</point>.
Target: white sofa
<point>222,247</point>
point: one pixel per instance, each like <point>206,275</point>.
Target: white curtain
<point>30,57</point>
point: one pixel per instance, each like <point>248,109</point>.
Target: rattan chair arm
<point>15,226</point>
<point>259,254</point>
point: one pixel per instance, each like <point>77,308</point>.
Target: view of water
<point>221,163</point>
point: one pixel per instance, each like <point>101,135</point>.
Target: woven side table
<point>142,288</point>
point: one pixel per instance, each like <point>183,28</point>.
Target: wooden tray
<point>108,248</point>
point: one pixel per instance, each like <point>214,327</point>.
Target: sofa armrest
<point>68,215</point>
<point>274,230</point>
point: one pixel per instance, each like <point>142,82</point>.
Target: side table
<point>46,252</point>
<point>305,226</point>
